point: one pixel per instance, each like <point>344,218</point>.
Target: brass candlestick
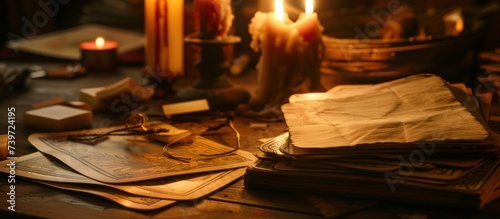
<point>213,84</point>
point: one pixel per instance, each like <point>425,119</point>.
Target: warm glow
<point>459,26</point>
<point>279,10</point>
<point>99,42</point>
<point>309,6</point>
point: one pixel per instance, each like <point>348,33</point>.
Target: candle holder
<point>212,83</point>
<point>99,57</point>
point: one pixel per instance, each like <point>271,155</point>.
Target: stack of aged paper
<point>131,171</point>
<point>416,139</point>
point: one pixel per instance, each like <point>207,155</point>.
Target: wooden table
<point>233,201</point>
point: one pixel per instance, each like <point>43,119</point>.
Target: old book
<point>415,140</point>
<point>472,190</point>
<point>64,44</point>
<point>395,116</point>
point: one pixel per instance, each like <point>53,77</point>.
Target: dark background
<point>128,14</point>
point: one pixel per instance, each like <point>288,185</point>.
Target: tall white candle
<point>290,55</point>
<point>164,29</point>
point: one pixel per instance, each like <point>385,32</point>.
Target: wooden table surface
<point>232,201</point>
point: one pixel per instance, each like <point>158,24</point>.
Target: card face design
<point>45,168</point>
<point>122,159</point>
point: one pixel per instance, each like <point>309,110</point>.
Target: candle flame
<point>99,42</point>
<point>459,26</point>
<point>309,6</point>
<point>279,10</point>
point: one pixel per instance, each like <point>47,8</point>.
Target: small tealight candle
<point>99,54</point>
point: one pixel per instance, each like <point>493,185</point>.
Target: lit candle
<point>290,55</point>
<point>311,29</point>
<point>279,10</point>
<point>164,48</point>
<point>99,42</point>
<point>214,17</point>
<point>99,54</point>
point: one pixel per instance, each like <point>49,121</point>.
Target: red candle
<point>99,54</point>
<point>214,17</point>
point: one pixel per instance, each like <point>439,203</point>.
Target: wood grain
<point>233,201</point>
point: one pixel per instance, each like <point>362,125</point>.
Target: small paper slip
<point>65,44</point>
<point>185,107</point>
